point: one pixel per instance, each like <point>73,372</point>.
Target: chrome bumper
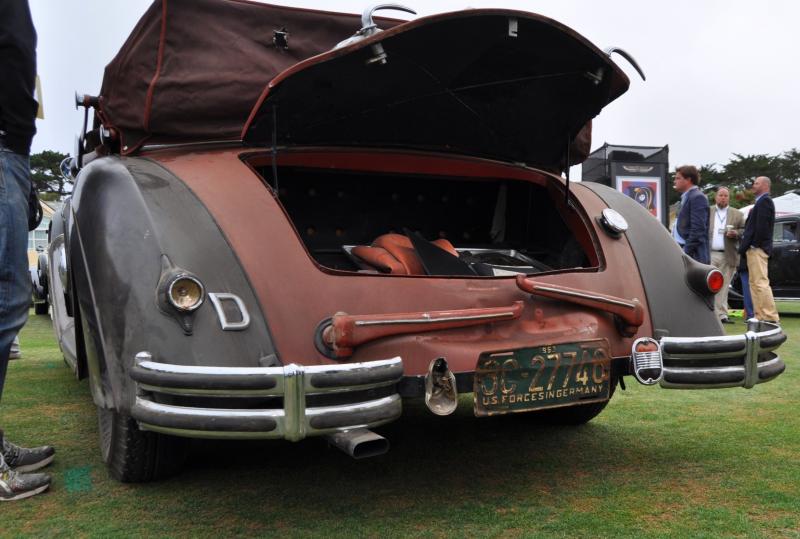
<point>726,361</point>
<point>293,383</point>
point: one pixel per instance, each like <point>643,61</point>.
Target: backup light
<point>185,293</point>
<point>648,364</point>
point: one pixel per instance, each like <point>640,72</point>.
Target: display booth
<point>639,172</point>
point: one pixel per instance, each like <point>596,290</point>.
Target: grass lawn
<point>722,463</point>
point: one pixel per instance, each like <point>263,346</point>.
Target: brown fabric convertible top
<point>193,69</point>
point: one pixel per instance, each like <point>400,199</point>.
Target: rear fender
<point>129,216</point>
<point>676,309</point>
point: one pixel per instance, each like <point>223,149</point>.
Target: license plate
<point>542,377</point>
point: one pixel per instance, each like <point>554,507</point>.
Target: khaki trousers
<point>719,261</point>
<point>763,302</point>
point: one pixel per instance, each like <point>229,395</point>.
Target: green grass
<point>656,463</point>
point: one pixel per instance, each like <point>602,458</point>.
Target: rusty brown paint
<point>296,293</point>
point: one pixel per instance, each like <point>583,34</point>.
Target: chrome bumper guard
<point>293,383</point>
<point>725,361</point>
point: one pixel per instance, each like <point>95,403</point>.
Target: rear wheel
<point>136,456</point>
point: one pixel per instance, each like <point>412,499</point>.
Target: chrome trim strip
<point>346,367</point>
<point>228,393</point>
<point>587,296</point>
<point>216,299</point>
<point>427,319</point>
<point>716,370</point>
<point>278,374</point>
<point>391,405</point>
<point>186,411</point>
<point>197,369</point>
<point>210,434</point>
<point>391,401</point>
<point>153,147</point>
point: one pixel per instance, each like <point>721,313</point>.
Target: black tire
<point>41,308</point>
<point>571,415</point>
<point>136,456</point>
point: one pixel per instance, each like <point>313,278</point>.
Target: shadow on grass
<point>430,456</point>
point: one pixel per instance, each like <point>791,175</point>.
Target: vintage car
<point>285,222</point>
<point>784,267</point>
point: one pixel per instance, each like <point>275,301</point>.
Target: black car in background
<point>784,267</point>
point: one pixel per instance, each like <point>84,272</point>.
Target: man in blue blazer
<point>756,245</point>
<point>691,228</point>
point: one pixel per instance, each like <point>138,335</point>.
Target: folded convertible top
<point>193,69</point>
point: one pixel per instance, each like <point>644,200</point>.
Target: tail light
<point>714,281</point>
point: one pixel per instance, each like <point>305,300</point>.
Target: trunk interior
<point>497,227</point>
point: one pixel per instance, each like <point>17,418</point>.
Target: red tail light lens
<point>714,281</point>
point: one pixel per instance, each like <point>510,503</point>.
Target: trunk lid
<point>500,84</point>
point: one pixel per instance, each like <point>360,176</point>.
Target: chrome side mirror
<point>67,168</point>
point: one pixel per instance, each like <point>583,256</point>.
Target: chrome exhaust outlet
<point>359,443</point>
<point>441,395</point>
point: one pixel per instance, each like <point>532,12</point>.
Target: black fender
<point>128,218</point>
<point>676,309</point>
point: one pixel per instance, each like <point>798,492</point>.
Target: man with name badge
<point>726,226</point>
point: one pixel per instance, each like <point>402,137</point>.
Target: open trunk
<point>348,220</point>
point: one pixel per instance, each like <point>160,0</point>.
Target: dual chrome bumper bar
<point>711,362</point>
<point>166,391</point>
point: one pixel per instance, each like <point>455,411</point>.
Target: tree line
<point>737,175</point>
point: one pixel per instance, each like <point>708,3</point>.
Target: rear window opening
<point>374,222</point>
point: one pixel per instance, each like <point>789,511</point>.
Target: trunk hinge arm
<point>629,313</point>
<point>336,337</point>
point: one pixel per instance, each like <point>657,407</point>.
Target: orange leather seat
<point>394,254</point>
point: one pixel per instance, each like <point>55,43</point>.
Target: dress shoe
<point>726,321</point>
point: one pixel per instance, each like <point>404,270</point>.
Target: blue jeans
<point>15,281</point>
<point>748,299</point>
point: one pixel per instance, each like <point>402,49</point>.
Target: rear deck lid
<point>500,84</point>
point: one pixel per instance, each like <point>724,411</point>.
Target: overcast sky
<point>723,77</point>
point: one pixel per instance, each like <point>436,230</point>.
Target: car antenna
<point>566,166</point>
<point>275,148</point>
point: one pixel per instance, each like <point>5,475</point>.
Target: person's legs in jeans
<point>15,296</point>
<point>15,286</point>
<point>748,300</point>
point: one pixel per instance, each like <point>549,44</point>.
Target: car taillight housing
<point>714,281</point>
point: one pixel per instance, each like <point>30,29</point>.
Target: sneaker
<point>16,486</point>
<point>15,352</point>
<point>22,459</point>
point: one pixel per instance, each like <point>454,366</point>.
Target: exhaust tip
<point>441,395</point>
<point>359,443</point>
<point>371,448</point>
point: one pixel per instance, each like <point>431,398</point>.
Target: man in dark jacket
<point>691,227</point>
<point>756,245</point>
<point>17,127</point>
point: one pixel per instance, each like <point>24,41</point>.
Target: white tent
<point>784,205</point>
